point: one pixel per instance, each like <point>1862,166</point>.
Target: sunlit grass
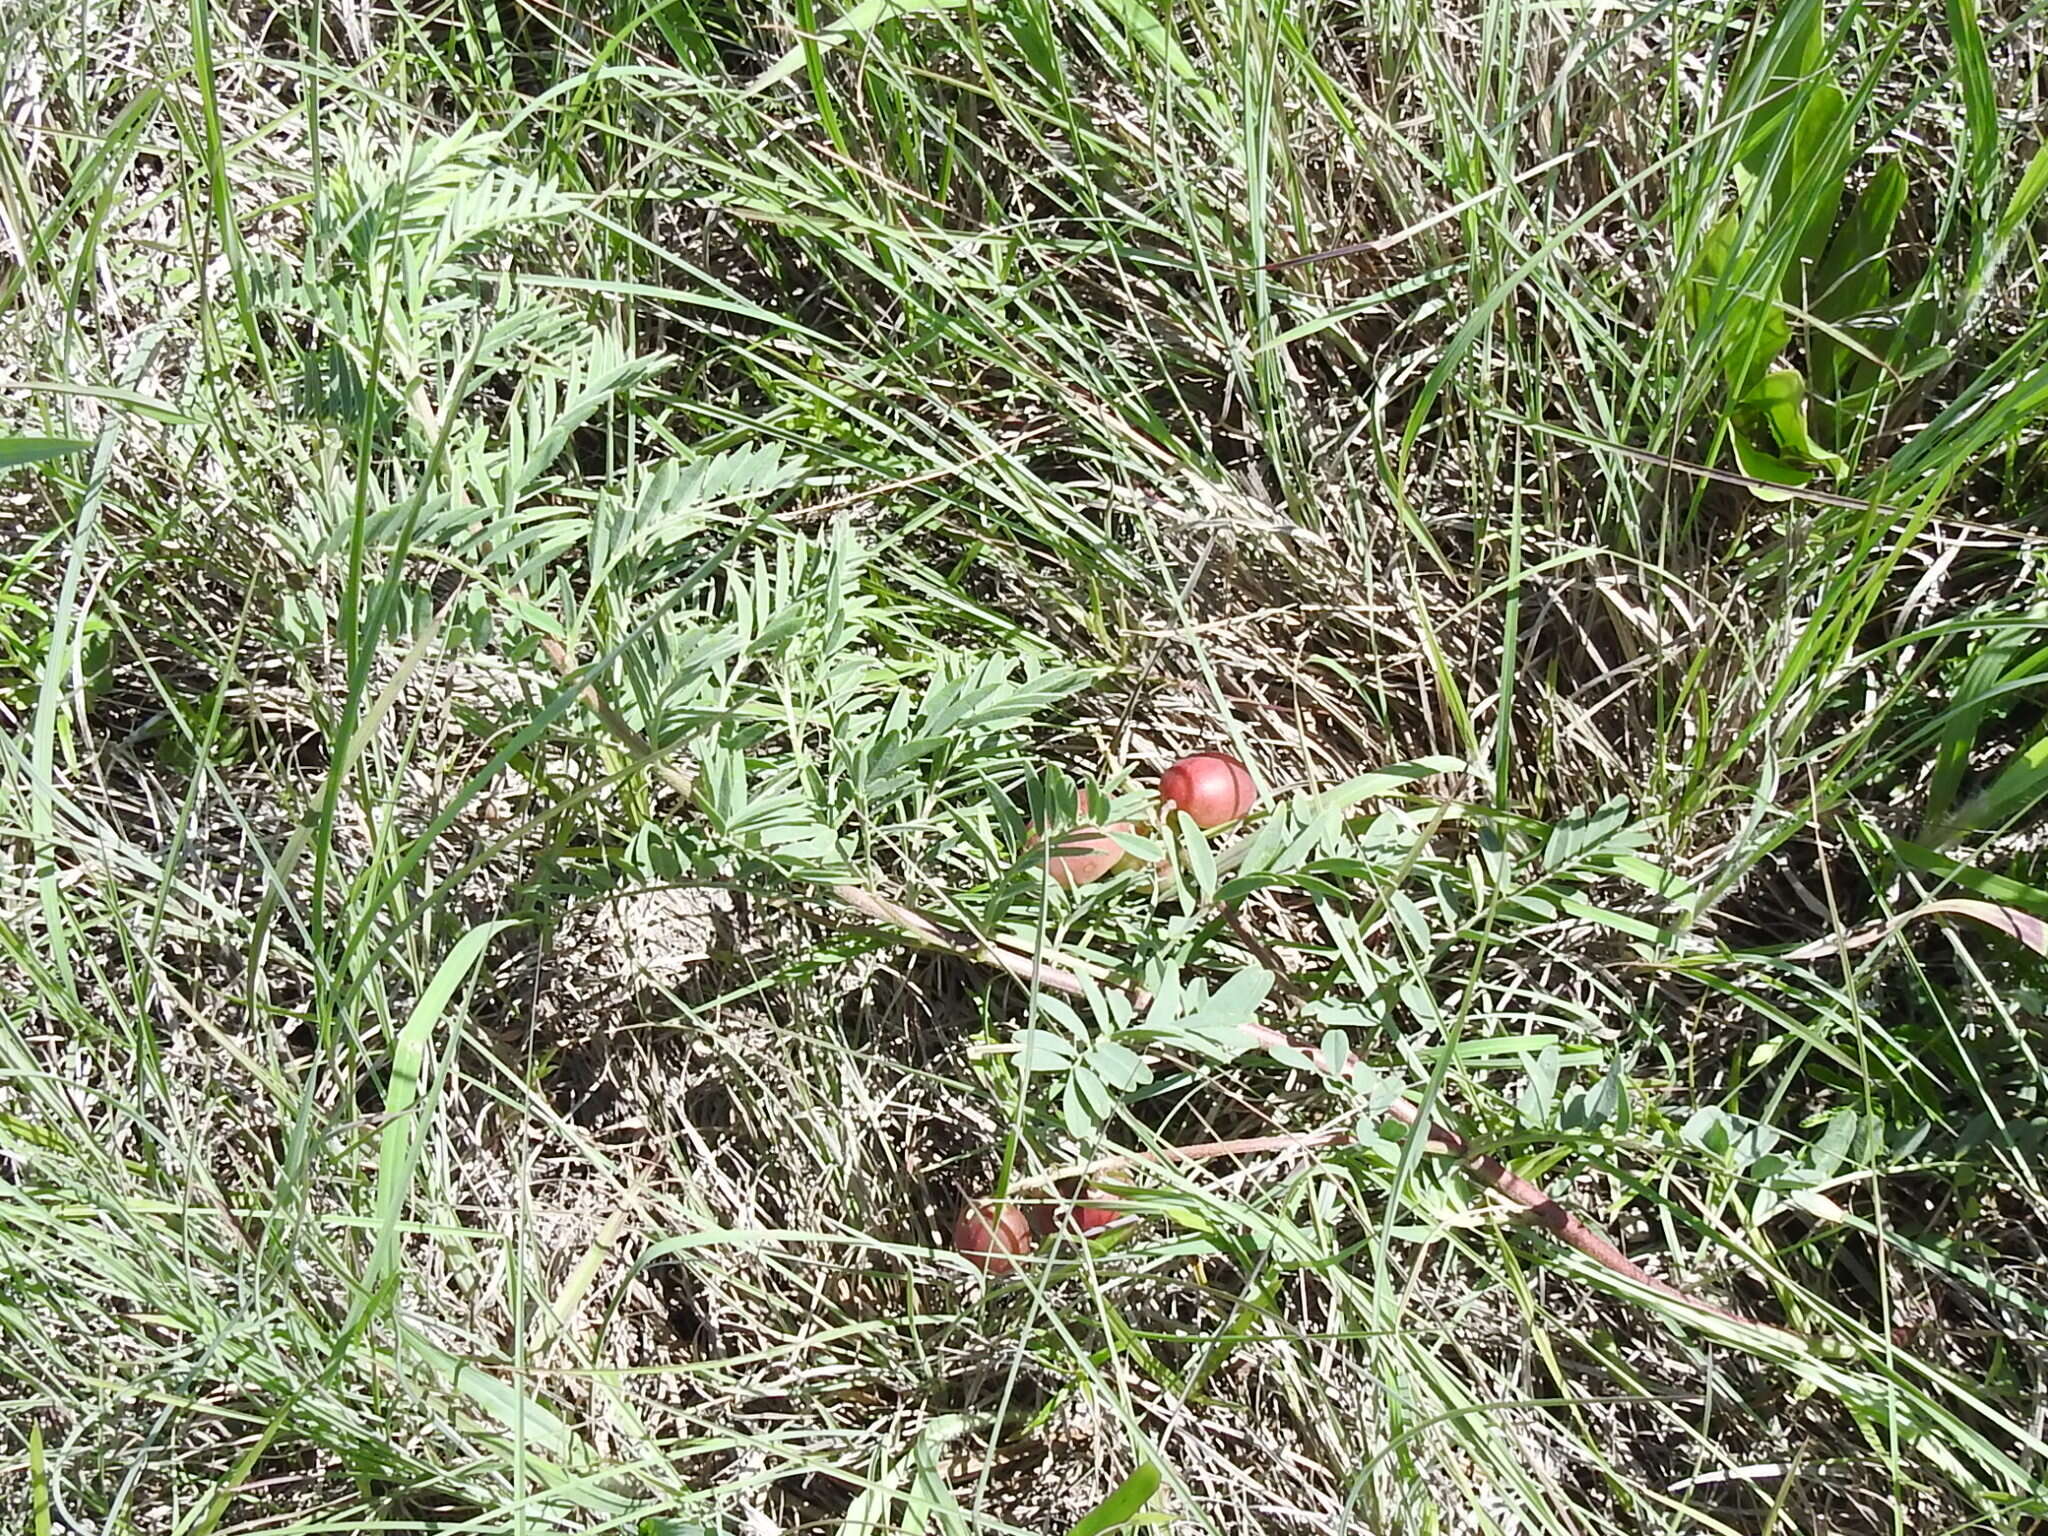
<point>415,1113</point>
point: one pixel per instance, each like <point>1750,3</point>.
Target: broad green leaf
<point>1766,89</point>
<point>1122,1506</point>
<point>2010,655</point>
<point>1600,1104</point>
<point>1810,180</point>
<point>1835,1142</point>
<point>1538,1099</point>
<point>2018,787</point>
<point>1040,1050</point>
<point>1736,302</point>
<point>1710,1129</point>
<point>1118,1066</point>
<point>1854,279</point>
<point>1715,260</point>
<point>1212,1025</point>
<point>17,451</point>
<point>1772,478</point>
<point>1201,862</point>
<point>1780,400</point>
<point>1085,1103</point>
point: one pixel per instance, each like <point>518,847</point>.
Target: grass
<point>429,1102</point>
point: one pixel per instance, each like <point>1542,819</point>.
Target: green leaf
<point>1139,21</point>
<point>1599,1105</point>
<point>1201,862</point>
<point>1122,1506</point>
<point>2018,787</point>
<point>526,1421</point>
<point>1654,878</point>
<point>39,1484</point>
<point>1854,276</point>
<point>1980,100</point>
<point>17,451</point>
<point>398,1145</point>
<point>1235,1002</point>
<point>1984,882</point>
<point>674,501</point>
<point>1040,1050</point>
<point>1779,400</point>
<point>1620,922</point>
<point>2011,655</point>
<point>1538,1099</point>
<point>1584,832</point>
<point>1085,1103</point>
<point>1290,1055</point>
<point>1810,179</point>
<point>541,428</point>
<point>1991,411</point>
<point>854,21</point>
<point>1119,1068</point>
<point>1854,279</point>
<point>1766,82</point>
<point>1772,478</point>
<point>1710,1129</point>
<point>1737,300</point>
<point>2020,207</point>
<point>1835,1142</point>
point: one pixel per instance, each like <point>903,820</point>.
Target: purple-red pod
<point>1212,787</point>
<point>1082,855</point>
<point>1091,1218</point>
<point>992,1236</point>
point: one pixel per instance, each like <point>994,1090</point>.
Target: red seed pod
<point>1212,787</point>
<point>1082,855</point>
<point>1091,1218</point>
<point>992,1235</point>
<point>1086,854</point>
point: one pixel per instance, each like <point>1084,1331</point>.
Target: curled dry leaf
<point>2024,926</point>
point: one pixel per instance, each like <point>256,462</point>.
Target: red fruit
<point>1086,854</point>
<point>991,1235</point>
<point>1212,787</point>
<point>1091,1219</point>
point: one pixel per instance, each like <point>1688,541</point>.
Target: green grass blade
<point>17,451</point>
